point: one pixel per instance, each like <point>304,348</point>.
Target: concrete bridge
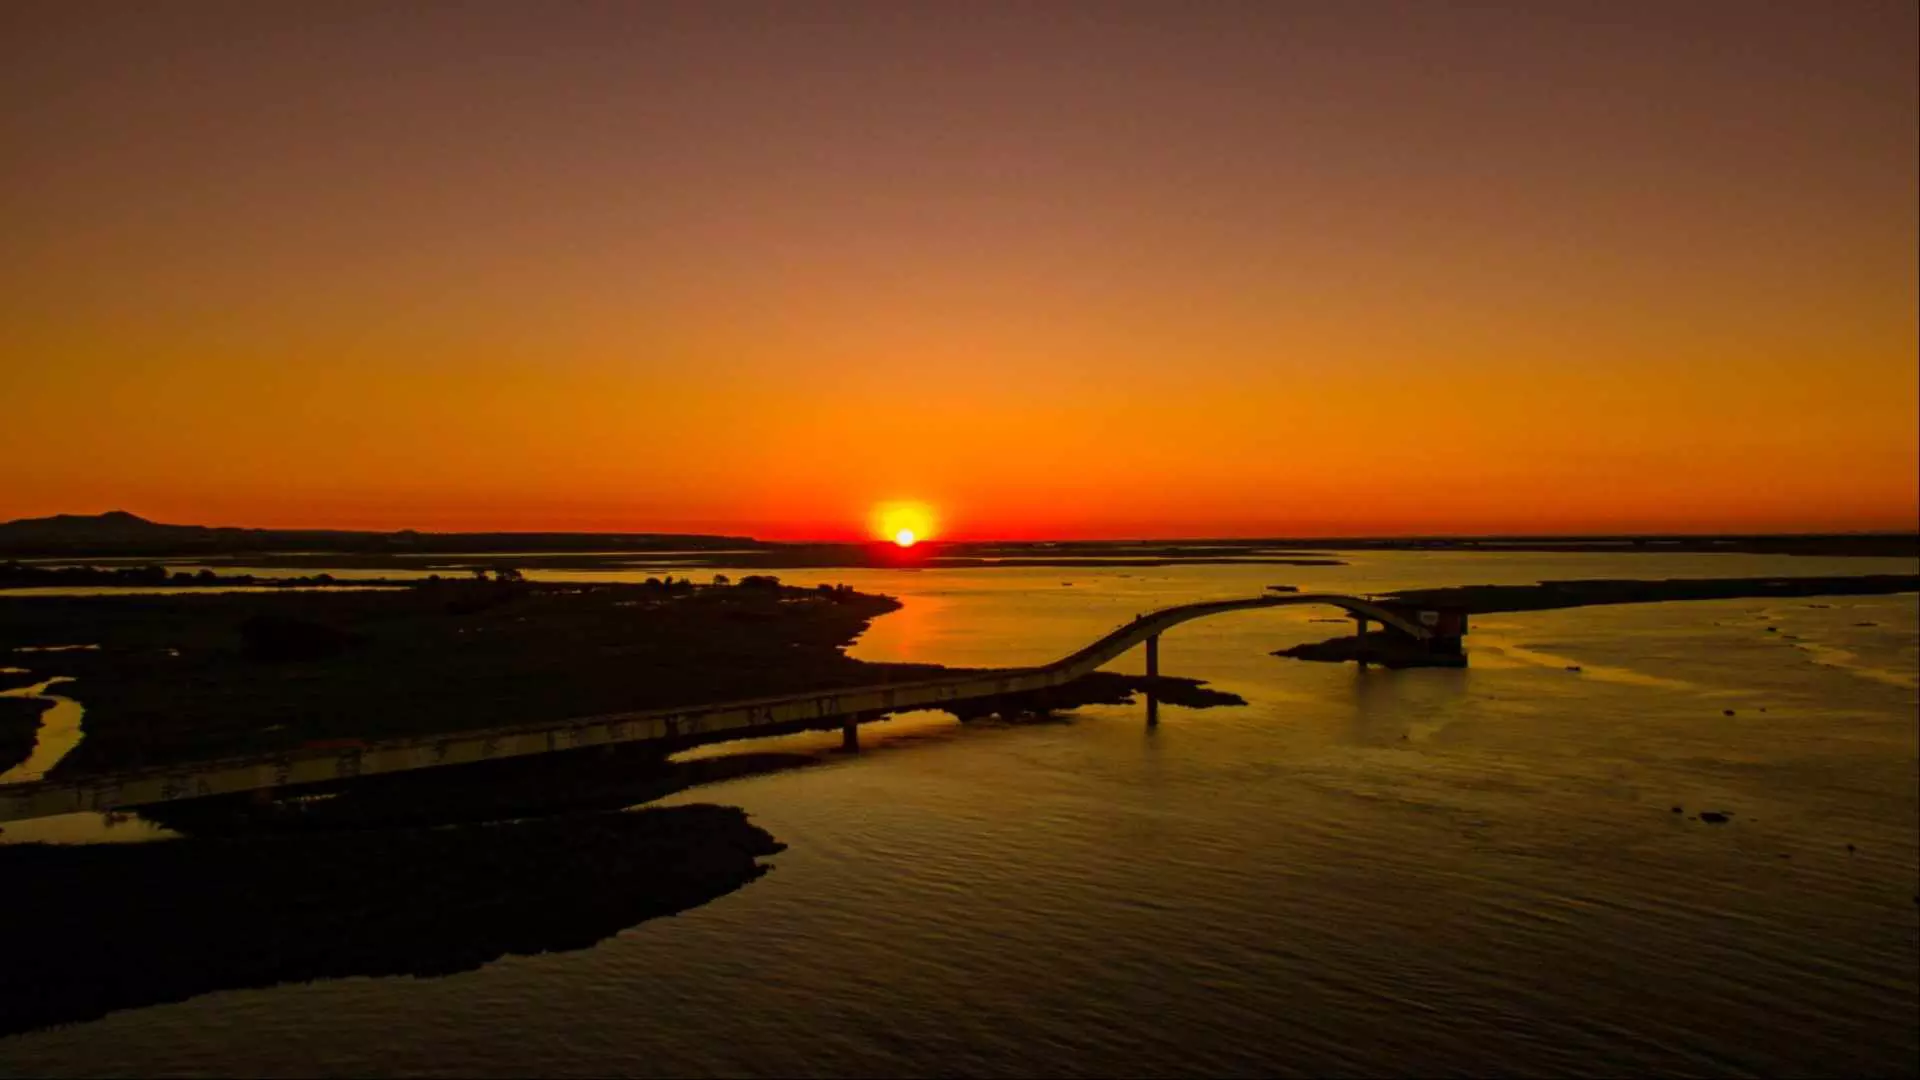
<point>716,722</point>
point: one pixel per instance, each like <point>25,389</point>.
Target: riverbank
<point>1487,599</point>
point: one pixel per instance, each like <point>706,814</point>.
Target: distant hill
<point>113,527</point>
<point>118,532</point>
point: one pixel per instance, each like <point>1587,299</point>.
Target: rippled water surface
<point>1439,871</point>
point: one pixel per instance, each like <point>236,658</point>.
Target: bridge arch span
<point>1150,626</point>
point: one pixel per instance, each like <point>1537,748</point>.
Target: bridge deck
<point>743,717</point>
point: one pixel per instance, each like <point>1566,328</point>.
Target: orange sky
<point>1056,270</point>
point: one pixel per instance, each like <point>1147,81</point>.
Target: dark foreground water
<point>1433,872</point>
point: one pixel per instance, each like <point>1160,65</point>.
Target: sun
<point>903,523</point>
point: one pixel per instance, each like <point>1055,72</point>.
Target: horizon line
<point>1324,538</point>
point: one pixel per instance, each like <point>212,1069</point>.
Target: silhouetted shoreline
<point>19,727</point>
<point>1486,599</point>
<point>16,575</point>
<point>89,929</point>
<point>1385,648</point>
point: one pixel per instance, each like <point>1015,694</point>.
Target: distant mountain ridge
<point>113,524</point>
<point>120,532</point>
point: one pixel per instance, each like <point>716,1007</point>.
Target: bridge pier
<point>1360,640</point>
<point>1153,672</point>
<point>850,736</point>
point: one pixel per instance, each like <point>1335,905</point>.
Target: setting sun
<point>904,523</point>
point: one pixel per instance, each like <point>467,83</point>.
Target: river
<point>1438,872</point>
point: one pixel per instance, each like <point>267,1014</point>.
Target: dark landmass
<point>1485,599</point>
<point>120,533</point>
<point>1393,650</point>
<point>199,676</point>
<point>1385,648</point>
<point>89,929</point>
<point>17,575</point>
<point>1099,688</point>
<point>14,680</point>
<point>19,728</point>
<point>1868,545</point>
<point>205,675</point>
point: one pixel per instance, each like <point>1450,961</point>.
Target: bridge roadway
<point>704,723</point>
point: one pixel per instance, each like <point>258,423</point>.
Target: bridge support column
<point>1153,672</point>
<point>850,736</point>
<point>1360,640</point>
